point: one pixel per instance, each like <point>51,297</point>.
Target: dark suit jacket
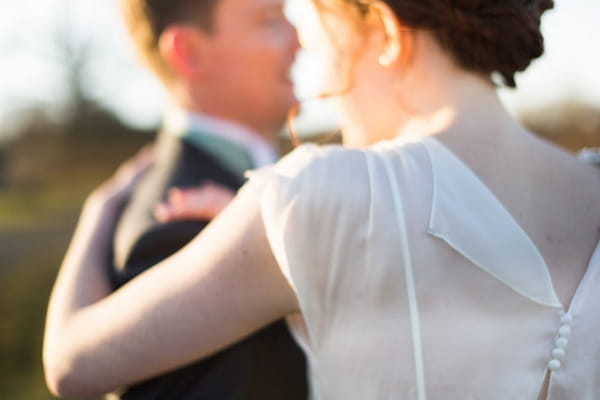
<point>267,365</point>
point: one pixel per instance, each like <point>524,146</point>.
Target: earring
<point>385,60</point>
<point>389,55</point>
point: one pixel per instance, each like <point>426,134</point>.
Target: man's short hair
<point>146,20</point>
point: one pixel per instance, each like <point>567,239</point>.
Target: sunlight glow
<point>33,70</point>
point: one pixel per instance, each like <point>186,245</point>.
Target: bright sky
<point>31,70</point>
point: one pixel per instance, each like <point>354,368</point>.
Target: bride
<point>443,252</point>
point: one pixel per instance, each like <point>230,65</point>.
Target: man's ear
<point>396,37</point>
<point>184,50</point>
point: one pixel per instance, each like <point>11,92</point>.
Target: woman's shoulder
<point>318,167</point>
<point>313,177</point>
<point>312,158</point>
<point>317,158</point>
<point>306,167</point>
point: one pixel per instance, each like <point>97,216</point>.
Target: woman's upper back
<point>415,280</point>
<point>552,195</point>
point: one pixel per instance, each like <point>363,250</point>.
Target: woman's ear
<point>183,49</point>
<point>394,34</point>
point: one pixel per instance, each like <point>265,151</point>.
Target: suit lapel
<point>231,156</point>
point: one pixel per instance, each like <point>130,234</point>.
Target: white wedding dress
<point>414,281</point>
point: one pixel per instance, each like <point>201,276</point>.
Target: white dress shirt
<point>189,124</point>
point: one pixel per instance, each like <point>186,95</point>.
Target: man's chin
<point>288,102</point>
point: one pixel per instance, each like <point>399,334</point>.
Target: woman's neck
<point>453,102</point>
<point>429,95</point>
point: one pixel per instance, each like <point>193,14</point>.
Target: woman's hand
<point>117,189</point>
<point>221,287</point>
<point>202,202</point>
<point>82,279</point>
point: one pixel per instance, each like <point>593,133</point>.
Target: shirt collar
<point>193,125</point>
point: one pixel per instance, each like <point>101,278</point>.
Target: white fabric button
<point>566,319</point>
<point>561,342</point>
<point>558,353</point>
<point>553,365</point>
<point>564,331</point>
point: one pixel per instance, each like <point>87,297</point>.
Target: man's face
<point>252,49</point>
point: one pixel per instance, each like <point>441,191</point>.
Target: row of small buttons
<point>560,345</point>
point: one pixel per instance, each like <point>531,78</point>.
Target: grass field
<point>39,205</point>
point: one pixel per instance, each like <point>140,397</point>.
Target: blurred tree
<point>55,156</point>
<point>571,124</point>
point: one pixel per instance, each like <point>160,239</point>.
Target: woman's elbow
<point>60,385</point>
<point>66,380</point>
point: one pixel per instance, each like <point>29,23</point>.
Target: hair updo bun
<point>488,36</point>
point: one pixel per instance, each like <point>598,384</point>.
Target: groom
<point>225,65</point>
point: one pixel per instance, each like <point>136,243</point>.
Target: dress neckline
<point>450,170</point>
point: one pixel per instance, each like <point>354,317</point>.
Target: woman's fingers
<point>120,185</point>
<point>131,170</point>
<point>202,203</point>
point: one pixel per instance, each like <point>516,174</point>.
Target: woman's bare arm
<point>223,286</point>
